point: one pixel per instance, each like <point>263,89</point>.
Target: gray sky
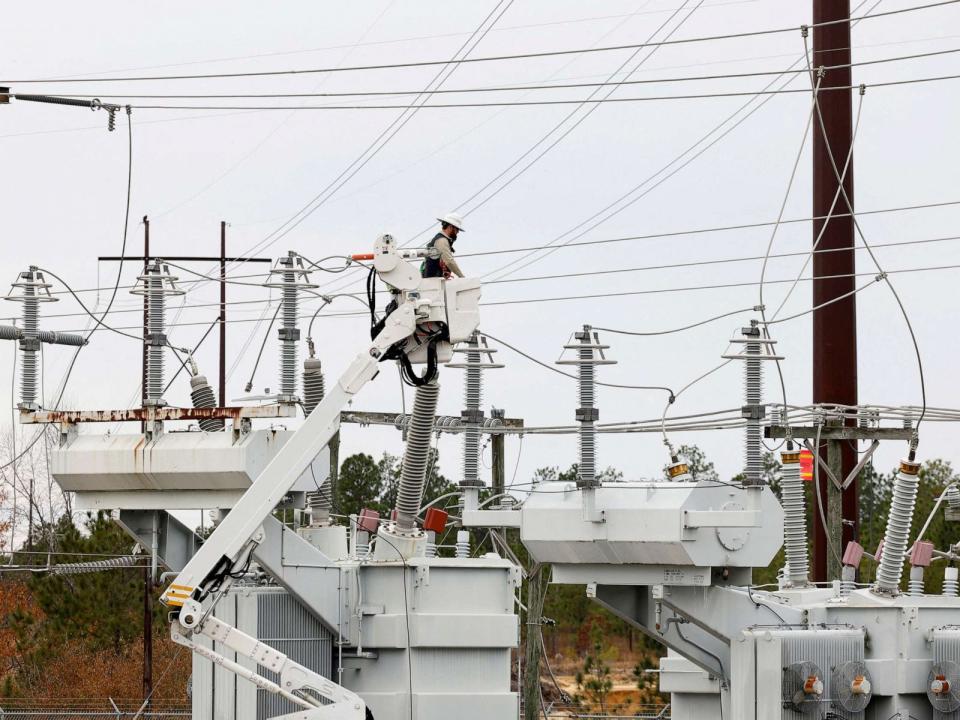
<point>65,178</point>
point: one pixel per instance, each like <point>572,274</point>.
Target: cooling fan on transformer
<point>943,686</point>
<point>851,686</point>
<point>803,687</point>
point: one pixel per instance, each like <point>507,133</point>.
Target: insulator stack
<point>589,354</point>
<point>899,521</point>
<point>290,276</point>
<point>430,550</point>
<point>30,289</point>
<point>753,394</point>
<point>951,584</point>
<point>953,497</point>
<point>757,348</point>
<point>10,332</point>
<point>362,546</point>
<point>313,384</point>
<point>915,583</point>
<point>440,422</point>
<point>416,456</point>
<point>794,519</point>
<point>463,544</point>
<point>156,284</point>
<point>847,587</point>
<point>288,326</point>
<point>94,566</point>
<point>320,501</point>
<point>479,358</point>
<point>202,396</point>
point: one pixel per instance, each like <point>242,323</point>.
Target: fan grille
<point>801,683</point>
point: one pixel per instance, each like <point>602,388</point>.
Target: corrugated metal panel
<point>285,624</point>
<point>827,648</point>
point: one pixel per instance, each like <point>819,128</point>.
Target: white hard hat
<point>452,219</point>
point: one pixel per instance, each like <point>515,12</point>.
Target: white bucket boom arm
<point>451,305</point>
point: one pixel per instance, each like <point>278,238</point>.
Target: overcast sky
<point>64,182</point>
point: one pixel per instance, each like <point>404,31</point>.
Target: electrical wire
<point>266,336</point>
<point>833,203</point>
<point>574,377</point>
<point>589,273</point>
<point>520,87</point>
<point>679,329</point>
<point>548,103</point>
<point>183,365</point>
<point>654,291</point>
<point>710,139</point>
<point>702,231</point>
<point>386,135</point>
<point>98,321</point>
<point>113,295</point>
<point>816,486</point>
<point>873,257</point>
<point>776,227</point>
<point>518,56</point>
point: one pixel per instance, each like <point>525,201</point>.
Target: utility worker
<point>444,266</point>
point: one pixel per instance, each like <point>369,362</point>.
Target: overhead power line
<point>547,103</point>
<point>492,58</point>
<point>593,296</point>
<point>564,276</point>
<point>504,88</point>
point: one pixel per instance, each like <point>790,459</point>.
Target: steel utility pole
<point>834,326</point>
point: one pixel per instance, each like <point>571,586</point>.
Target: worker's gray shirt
<point>442,243</point>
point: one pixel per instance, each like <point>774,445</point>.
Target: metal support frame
<point>836,434</point>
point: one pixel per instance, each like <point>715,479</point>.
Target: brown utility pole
<point>834,326</point>
<point>223,313</point>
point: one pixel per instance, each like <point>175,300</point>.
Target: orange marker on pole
<point>806,465</point>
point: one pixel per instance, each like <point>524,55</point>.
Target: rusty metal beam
<point>838,433</point>
<point>154,413</point>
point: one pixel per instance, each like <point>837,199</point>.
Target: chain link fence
<point>70,709</point>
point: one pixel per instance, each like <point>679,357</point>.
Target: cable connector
<point>880,276</point>
<point>863,89</point>
<point>759,308</point>
<point>804,31</point>
<point>821,72</point>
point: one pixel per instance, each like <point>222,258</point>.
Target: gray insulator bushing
<point>463,544</point>
<point>899,521</point>
<point>288,346</point>
<point>30,363</point>
<point>473,396</point>
<point>202,396</point>
<point>10,332</point>
<point>416,456</point>
<point>587,435</point>
<point>915,584</point>
<point>794,520</point>
<point>314,388</point>
<point>319,501</point>
<point>753,394</point>
<point>156,324</point>
<point>951,585</point>
<point>94,566</point>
